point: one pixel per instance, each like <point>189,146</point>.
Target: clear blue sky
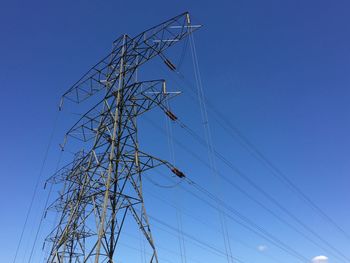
<point>278,70</point>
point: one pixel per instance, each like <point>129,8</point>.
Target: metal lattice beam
<point>102,187</point>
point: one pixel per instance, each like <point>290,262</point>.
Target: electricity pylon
<point>102,187</point>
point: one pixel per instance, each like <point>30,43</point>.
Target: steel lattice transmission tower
<point>102,187</point>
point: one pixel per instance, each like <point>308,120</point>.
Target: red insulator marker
<point>178,173</point>
<point>171,115</point>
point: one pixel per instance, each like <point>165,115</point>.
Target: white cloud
<point>262,248</point>
<point>320,259</point>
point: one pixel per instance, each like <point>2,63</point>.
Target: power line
<point>198,219</point>
<point>191,237</point>
<point>247,223</point>
<point>258,188</point>
<point>38,179</point>
<point>234,132</point>
<point>263,192</point>
<point>44,211</point>
<point>209,144</point>
<point>276,171</point>
<point>244,222</point>
<point>169,130</point>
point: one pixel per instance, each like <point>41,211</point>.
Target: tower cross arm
<point>141,97</point>
<point>135,52</point>
<point>147,162</point>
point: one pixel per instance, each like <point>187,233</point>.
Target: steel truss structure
<point>102,187</point>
